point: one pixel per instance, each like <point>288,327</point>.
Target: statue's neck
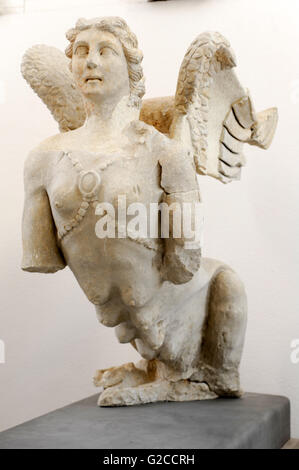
<point>107,120</point>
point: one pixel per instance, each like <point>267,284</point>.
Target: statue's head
<point>105,59</point>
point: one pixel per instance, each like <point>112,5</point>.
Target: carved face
<point>99,65</point>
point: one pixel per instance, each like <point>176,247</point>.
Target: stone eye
<point>106,51</point>
<point>82,50</point>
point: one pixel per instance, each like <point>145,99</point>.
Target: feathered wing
<point>215,108</point>
<point>46,69</point>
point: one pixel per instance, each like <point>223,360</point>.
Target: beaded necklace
<point>88,183</point>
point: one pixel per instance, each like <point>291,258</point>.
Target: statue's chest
<point>80,181</point>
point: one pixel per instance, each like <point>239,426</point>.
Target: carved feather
<point>46,69</point>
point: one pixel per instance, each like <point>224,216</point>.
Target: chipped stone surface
<point>184,314</point>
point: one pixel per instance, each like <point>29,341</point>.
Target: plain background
<point>53,342</point>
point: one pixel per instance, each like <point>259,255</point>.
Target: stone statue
<point>184,314</point>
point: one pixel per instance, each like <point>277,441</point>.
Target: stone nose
<point>91,64</point>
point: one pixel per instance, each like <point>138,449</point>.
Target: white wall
<point>53,341</point>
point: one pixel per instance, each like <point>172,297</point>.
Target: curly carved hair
<point>119,28</point>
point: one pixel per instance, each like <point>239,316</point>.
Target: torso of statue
<point>77,181</point>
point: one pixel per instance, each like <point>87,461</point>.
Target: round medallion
<point>89,182</point>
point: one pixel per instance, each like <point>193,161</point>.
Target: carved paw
<point>122,376</point>
<point>125,396</point>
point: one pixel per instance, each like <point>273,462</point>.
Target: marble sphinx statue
<point>184,314</point>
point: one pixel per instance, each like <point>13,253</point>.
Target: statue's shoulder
<point>41,156</point>
<point>55,142</point>
<point>169,149</point>
<point>138,132</point>
<point>52,145</point>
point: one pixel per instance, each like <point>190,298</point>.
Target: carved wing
<point>46,69</point>
<point>213,108</point>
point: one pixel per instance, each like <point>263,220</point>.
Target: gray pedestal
<point>252,422</point>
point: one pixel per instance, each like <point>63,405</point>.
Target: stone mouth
<point>93,79</point>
